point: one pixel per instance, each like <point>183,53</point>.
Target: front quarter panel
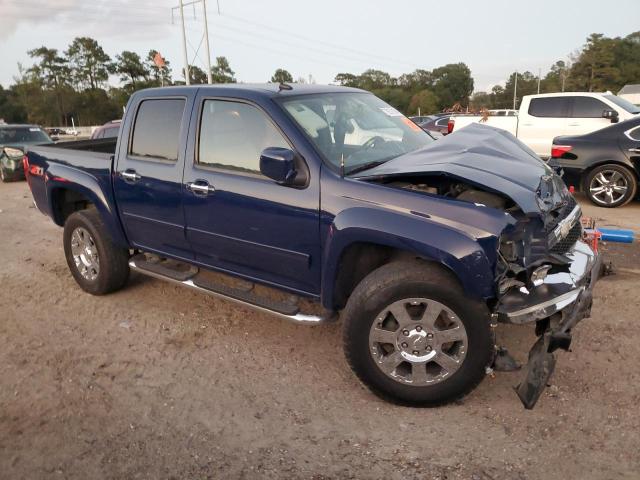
<point>461,236</point>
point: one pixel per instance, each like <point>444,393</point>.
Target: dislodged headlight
<point>13,152</point>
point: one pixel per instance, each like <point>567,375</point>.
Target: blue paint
<point>291,237</point>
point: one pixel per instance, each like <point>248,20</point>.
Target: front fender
<point>468,252</point>
<point>62,177</point>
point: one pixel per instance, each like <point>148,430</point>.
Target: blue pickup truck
<point>312,202</point>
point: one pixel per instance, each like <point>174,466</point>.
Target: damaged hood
<point>488,157</point>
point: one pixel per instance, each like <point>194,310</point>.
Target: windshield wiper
<point>366,166</point>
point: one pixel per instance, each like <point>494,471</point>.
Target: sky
<point>323,38</point>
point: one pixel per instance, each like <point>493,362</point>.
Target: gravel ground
<point>156,381</point>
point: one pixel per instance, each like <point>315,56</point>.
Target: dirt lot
<point>159,382</point>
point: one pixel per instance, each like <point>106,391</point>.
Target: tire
<point>604,185</point>
<point>103,267</point>
<point>393,287</point>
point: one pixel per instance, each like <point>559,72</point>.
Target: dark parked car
<point>436,123</point>
<point>422,245</point>
<point>108,130</point>
<point>604,164</point>
<point>13,141</point>
<point>56,131</point>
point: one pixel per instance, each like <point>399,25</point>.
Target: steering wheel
<point>373,142</point>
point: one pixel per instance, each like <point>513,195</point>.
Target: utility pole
<point>184,47</point>
<point>206,36</point>
<point>515,89</point>
<point>206,41</point>
<point>539,74</point>
<point>563,77</point>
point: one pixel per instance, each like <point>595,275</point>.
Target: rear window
<point>156,132</point>
<point>549,107</point>
<point>22,135</point>
<point>587,107</point>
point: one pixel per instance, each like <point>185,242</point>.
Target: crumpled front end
<point>548,279</point>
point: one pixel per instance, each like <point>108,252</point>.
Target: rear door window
<point>156,132</point>
<point>587,107</point>
<point>555,107</point>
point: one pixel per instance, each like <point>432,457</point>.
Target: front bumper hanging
<point>561,300</point>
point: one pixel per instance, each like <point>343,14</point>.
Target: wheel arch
<point>65,198</point>
<point>352,253</point>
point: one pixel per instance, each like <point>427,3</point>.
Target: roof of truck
<point>269,89</point>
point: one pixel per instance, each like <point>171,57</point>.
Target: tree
<point>90,65</point>
<point>53,71</point>
<point>452,84</point>
<point>347,79</point>
<point>281,76</point>
<point>595,68</point>
<point>424,100</point>
<point>196,75</point>
<point>161,73</point>
<point>131,69</point>
<point>221,72</point>
<point>372,79</point>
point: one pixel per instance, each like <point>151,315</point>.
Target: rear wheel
<point>412,337</point>
<point>96,264</point>
<point>611,186</point>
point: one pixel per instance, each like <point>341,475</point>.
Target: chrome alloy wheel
<point>608,187</point>
<point>418,341</point>
<point>85,253</point>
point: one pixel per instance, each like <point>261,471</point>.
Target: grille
<point>569,241</point>
<point>566,210</point>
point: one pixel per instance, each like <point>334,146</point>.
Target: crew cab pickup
<point>545,116</point>
<point>258,195</point>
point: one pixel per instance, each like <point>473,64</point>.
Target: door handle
<point>201,188</point>
<point>634,150</point>
<point>130,175</point>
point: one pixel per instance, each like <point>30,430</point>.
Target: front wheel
<point>611,186</point>
<point>412,337</point>
<point>96,263</point>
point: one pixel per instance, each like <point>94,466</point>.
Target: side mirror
<point>611,115</point>
<point>279,164</point>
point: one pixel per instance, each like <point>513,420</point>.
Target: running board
<point>249,299</point>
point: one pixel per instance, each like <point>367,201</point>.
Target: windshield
<point>357,130</point>
<point>22,136</point>
<point>622,103</point>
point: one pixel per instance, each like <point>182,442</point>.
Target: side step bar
<point>250,299</point>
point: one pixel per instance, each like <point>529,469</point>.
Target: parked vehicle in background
<point>436,123</point>
<point>423,245</point>
<point>13,141</point>
<point>420,118</point>
<point>56,131</point>
<point>543,117</point>
<point>604,164</point>
<point>72,131</point>
<point>108,130</point>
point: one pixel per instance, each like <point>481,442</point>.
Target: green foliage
<point>221,72</point>
<point>424,102</point>
<point>281,76</point>
<point>90,65</point>
<point>74,84</point>
<point>131,69</point>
